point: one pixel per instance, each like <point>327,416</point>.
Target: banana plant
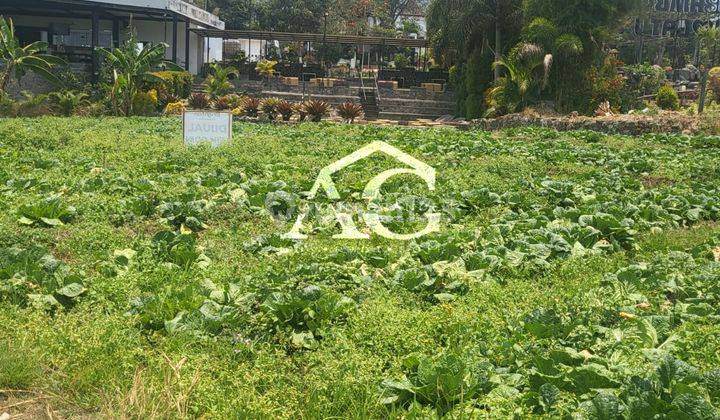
<point>19,60</point>
<point>131,66</point>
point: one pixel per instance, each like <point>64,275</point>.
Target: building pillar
<point>94,40</point>
<point>187,44</point>
<point>116,32</point>
<point>174,37</point>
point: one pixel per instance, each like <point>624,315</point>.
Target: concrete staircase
<point>369,102</point>
<point>199,86</point>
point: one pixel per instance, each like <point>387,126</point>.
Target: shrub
<point>642,80</point>
<point>714,82</point>
<point>145,103</point>
<point>33,105</point>
<point>251,106</point>
<point>349,111</point>
<point>316,109</point>
<point>269,107</point>
<point>238,111</point>
<point>69,101</point>
<point>667,98</point>
<point>607,86</point>
<point>265,68</point>
<point>401,61</point>
<point>285,109</point>
<point>199,100</point>
<point>173,83</point>
<point>710,121</point>
<point>174,108</point>
<point>234,100</point>
<point>165,98</point>
<point>8,107</point>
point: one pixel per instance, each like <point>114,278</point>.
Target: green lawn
<point>574,274</point>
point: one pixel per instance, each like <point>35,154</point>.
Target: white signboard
<point>207,126</point>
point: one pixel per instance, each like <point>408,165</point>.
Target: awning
<point>310,37</point>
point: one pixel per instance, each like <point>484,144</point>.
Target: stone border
<point>666,122</point>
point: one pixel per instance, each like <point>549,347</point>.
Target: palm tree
<point>709,41</point>
<point>19,60</point>
<point>457,24</point>
<point>528,71</point>
<point>131,67</point>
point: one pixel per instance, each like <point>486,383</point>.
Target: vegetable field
<point>575,274</point>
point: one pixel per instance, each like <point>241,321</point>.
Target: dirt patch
<point>650,181</point>
<point>664,122</point>
<point>27,405</point>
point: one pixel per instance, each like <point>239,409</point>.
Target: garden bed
<point>141,278</point>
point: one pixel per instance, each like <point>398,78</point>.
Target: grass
<point>99,355</point>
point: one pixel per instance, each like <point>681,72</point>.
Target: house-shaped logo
<point>371,192</point>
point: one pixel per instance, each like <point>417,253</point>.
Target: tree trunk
<point>498,42</point>
<point>5,77</point>
<point>703,89</point>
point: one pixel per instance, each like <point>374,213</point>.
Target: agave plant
<point>316,109</point>
<point>199,100</point>
<point>68,101</point>
<point>19,60</point>
<point>349,111</point>
<point>269,107</point>
<point>218,83</point>
<point>300,110</point>
<point>285,109</point>
<point>251,106</point>
<point>131,67</point>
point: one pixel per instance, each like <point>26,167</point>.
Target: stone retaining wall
<point>671,122</point>
<point>255,87</point>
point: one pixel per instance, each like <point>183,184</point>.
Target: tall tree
<point>293,15</point>
<point>237,14</point>
<point>461,25</point>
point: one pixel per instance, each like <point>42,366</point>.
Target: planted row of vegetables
<point>197,235</point>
